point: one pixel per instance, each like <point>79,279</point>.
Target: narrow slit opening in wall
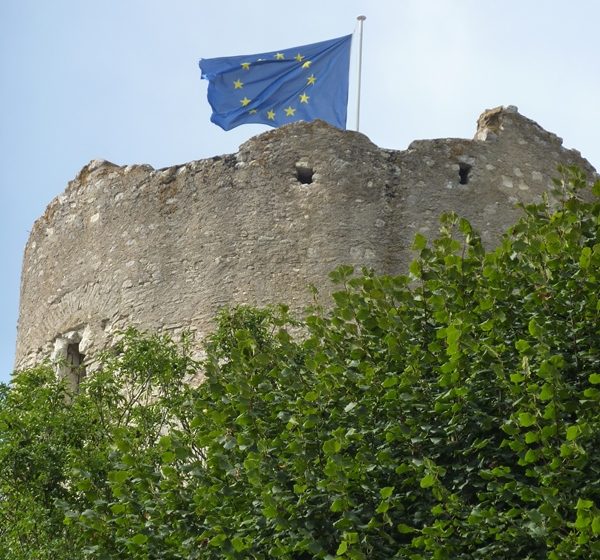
<point>304,174</point>
<point>463,172</point>
<point>75,363</point>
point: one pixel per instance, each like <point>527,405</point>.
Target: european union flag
<point>280,87</point>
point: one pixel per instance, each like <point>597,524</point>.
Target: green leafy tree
<point>37,432</point>
<point>58,451</point>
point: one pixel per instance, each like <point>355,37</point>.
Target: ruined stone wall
<point>165,249</point>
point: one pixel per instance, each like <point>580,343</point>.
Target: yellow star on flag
<point>245,101</point>
<point>307,64</point>
<point>253,111</point>
<point>311,80</point>
<point>299,57</point>
<point>271,115</point>
<point>289,111</point>
<point>238,84</point>
<point>304,98</point>
<point>246,65</point>
<point>280,56</point>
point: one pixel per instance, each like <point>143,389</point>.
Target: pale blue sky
<point>118,80</point>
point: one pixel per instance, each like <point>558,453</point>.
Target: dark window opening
<point>463,172</point>
<point>389,191</point>
<point>304,174</point>
<point>75,363</point>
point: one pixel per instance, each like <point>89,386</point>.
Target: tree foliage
<point>448,413</point>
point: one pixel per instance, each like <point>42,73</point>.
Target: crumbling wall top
<point>164,249</point>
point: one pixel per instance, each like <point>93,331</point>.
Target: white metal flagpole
<point>360,36</point>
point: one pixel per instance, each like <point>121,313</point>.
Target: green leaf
<point>526,419</point>
<point>565,450</point>
<point>243,419</point>
<point>238,544</point>
<point>337,505</point>
<point>531,456</point>
<point>119,476</point>
<point>342,548</point>
<point>549,411</point>
<point>547,392</point>
<point>594,378</point>
<point>453,334</point>
<point>415,269</point>
<point>165,442</point>
<point>168,457</point>
<point>427,481</point>
<point>270,511</point>
<point>549,431</point>
<point>332,446</point>
<point>534,328</point>
<point>386,492</point>
<point>585,258</point>
<point>118,508</point>
<point>341,274</point>
<point>420,242</point>
<point>139,539</point>
<point>465,226</point>
<point>300,488</point>
<point>572,432</point>
<point>583,504</point>
<point>390,381</point>
<point>531,437</point>
<point>500,471</point>
<point>487,325</point>
<point>404,529</point>
<point>352,537</point>
<point>383,507</point>
<point>218,540</point>
<point>582,521</point>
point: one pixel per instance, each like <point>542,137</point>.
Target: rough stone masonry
<point>165,249</point>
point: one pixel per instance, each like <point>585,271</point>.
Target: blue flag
<point>280,87</point>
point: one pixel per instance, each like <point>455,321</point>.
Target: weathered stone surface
<point>164,249</point>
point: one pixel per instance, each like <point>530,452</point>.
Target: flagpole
<point>360,19</point>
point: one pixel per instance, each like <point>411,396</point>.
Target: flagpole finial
<point>361,18</point>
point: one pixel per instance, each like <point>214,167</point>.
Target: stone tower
<point>165,249</point>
